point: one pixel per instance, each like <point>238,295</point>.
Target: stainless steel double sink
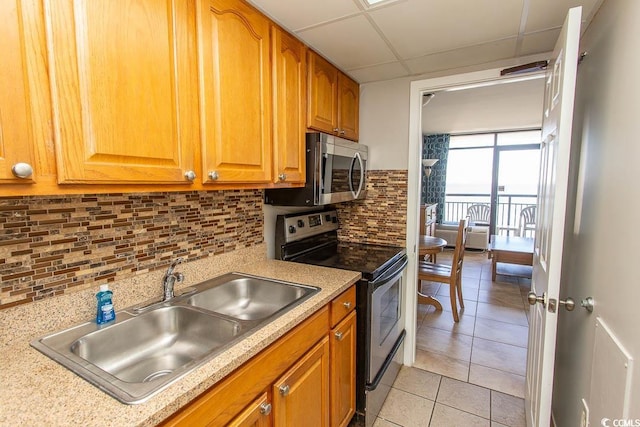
<point>148,348</point>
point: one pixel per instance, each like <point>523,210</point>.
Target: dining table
<point>431,246</point>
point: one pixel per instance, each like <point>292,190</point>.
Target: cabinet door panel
<point>301,396</point>
<point>122,90</point>
<point>343,371</point>
<point>322,103</point>
<point>236,92</point>
<point>257,414</point>
<point>16,136</point>
<point>290,68</point>
<point>348,107</point>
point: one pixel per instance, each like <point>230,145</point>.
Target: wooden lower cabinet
<point>306,378</point>
<point>257,414</point>
<point>301,396</point>
<point>343,371</point>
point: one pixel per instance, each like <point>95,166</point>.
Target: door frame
<point>418,88</point>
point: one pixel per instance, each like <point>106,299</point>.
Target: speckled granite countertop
<point>38,391</point>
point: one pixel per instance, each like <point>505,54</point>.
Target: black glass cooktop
<point>370,260</point>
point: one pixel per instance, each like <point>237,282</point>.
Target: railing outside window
<point>509,208</point>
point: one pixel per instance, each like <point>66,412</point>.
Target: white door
<point>552,201</point>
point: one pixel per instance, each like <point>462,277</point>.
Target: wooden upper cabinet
<point>289,103</point>
<point>322,101</point>
<point>235,85</point>
<point>124,90</point>
<point>16,136</point>
<point>348,107</point>
<point>333,99</point>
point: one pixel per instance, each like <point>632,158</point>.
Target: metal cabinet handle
<point>284,390</point>
<point>336,129</point>
<point>213,175</point>
<point>339,336</point>
<point>265,408</point>
<point>342,132</point>
<point>347,305</point>
<point>282,177</point>
<point>190,175</point>
<point>22,170</point>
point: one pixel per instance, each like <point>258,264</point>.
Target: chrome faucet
<point>170,279</point>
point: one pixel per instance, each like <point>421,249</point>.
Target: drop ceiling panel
<point>297,14</point>
<point>418,27</point>
<point>463,57</point>
<point>349,43</point>
<point>541,42</point>
<point>388,71</point>
<point>547,14</point>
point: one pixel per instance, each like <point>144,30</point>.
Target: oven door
<point>386,301</point>
<point>343,171</point>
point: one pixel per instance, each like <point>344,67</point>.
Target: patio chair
<point>527,221</point>
<point>479,214</point>
<point>446,274</point>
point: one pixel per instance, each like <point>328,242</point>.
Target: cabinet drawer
<point>343,305</point>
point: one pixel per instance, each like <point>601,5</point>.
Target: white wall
<point>515,105</point>
<point>603,252</point>
<point>384,123</point>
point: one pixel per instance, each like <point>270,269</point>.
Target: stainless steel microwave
<point>336,172</point>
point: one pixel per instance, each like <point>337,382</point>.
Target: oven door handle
<point>383,369</point>
<point>392,274</point>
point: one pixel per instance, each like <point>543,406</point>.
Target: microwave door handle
<point>356,194</point>
<point>353,161</point>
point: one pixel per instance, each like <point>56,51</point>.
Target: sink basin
<point>249,298</point>
<point>148,348</point>
<point>155,344</point>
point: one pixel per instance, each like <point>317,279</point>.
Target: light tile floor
<point>469,373</point>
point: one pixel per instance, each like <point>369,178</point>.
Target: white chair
<point>479,214</point>
<point>527,222</point>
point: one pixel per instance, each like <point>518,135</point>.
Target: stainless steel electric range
<point>311,238</point>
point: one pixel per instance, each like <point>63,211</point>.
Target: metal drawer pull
<point>282,177</point>
<point>347,305</point>
<point>339,336</point>
<point>284,390</point>
<point>265,408</point>
<point>190,175</point>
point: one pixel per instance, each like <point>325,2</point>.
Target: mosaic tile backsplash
<point>381,218</point>
<point>49,245</point>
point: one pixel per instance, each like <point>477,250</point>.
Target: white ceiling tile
<point>543,41</point>
<point>545,14</point>
<point>388,71</point>
<point>349,43</point>
<point>418,27</point>
<point>463,57</point>
<point>298,14</point>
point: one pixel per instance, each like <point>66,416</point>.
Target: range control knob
<point>334,219</point>
<point>300,223</point>
<point>292,229</point>
<point>327,218</point>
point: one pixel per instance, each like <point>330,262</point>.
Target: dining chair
<point>527,221</point>
<point>442,273</point>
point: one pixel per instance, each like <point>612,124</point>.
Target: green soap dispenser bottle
<point>105,313</point>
